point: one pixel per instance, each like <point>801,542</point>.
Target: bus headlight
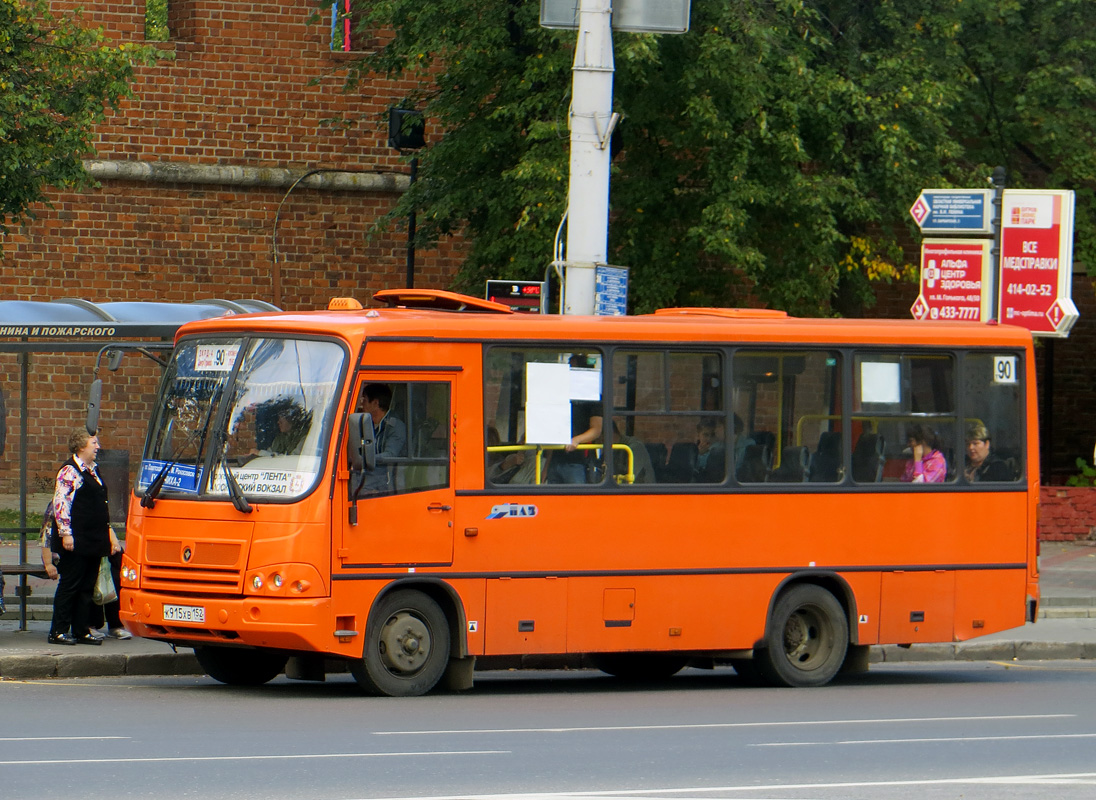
<point>285,580</point>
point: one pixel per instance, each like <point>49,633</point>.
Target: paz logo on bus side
<point>506,510</point>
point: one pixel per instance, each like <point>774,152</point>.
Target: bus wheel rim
<point>404,643</point>
<point>808,639</point>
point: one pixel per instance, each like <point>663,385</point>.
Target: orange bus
<point>441,484</point>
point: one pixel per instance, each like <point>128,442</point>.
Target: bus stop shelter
<point>96,331</point>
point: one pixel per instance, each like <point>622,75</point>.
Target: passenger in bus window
<point>927,464</point>
<point>293,425</point>
<point>391,433</point>
<point>983,465</point>
<point>643,470</point>
<point>711,458</point>
<point>569,465</point>
<point>501,467</point>
<point>741,440</point>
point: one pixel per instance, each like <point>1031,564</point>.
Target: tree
<point>56,79</point>
<point>769,155</point>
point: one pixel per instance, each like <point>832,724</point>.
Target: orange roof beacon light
<point>344,304</point>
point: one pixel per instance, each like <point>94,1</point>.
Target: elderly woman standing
<point>83,522</point>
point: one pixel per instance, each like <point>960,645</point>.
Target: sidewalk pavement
<point>1066,630</point>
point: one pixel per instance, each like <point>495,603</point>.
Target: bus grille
<point>174,564</point>
<point>221,581</point>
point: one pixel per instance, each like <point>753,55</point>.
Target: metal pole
<point>998,181</point>
<point>1047,439</point>
<point>411,229</point>
<point>592,122</point>
<point>24,365</point>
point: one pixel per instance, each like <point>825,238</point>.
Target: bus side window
<point>412,436</point>
<point>993,443</point>
<point>787,401</point>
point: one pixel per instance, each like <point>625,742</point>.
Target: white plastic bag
<point>104,591</point>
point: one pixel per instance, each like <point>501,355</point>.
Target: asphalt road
<point>932,730</point>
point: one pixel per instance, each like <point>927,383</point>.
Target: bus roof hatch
<point>438,300</point>
<point>727,313</point>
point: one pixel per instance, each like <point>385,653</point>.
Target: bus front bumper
<point>299,624</point>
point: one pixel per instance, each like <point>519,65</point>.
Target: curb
<point>38,666</point>
<point>985,651</point>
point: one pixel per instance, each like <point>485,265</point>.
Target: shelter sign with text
<point>1037,261</point>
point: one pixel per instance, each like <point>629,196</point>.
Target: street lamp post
<point>407,131</point>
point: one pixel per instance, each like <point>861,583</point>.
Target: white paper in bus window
<point>880,382</point>
<point>547,384</point>
<point>585,384</point>
<point>548,403</point>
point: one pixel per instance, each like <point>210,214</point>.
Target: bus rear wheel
<point>406,646</point>
<point>240,667</point>
<point>806,639</point>
<point>639,666</point>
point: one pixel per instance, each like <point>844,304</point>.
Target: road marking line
<point>155,759</point>
<point>933,739</point>
<point>730,725</point>
<point>1044,667</point>
<point>1080,779</point>
<point>60,738</point>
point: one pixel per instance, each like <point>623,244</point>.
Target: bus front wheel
<point>240,667</point>
<point>406,646</point>
<point>806,639</point>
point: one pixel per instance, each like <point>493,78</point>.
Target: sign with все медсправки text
<point>1036,278</point>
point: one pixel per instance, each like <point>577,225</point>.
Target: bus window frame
<point>220,415</point>
<point>727,352</point>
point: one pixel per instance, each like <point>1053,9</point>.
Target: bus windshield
<point>258,408</point>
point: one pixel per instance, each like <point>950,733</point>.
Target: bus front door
<point>404,507</point>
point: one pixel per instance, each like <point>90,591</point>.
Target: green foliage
<point>769,154</point>
<point>156,29</point>
<point>9,518</point>
<point>57,77</point>
<point>1086,476</point>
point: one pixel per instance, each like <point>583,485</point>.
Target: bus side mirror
<point>362,447</point>
<point>95,399</point>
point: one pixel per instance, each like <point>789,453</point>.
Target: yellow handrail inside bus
<point>627,477</point>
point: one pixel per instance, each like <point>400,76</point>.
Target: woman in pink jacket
<point>928,464</point>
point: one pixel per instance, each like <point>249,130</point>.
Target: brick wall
<point>1067,514</point>
<point>249,85</point>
